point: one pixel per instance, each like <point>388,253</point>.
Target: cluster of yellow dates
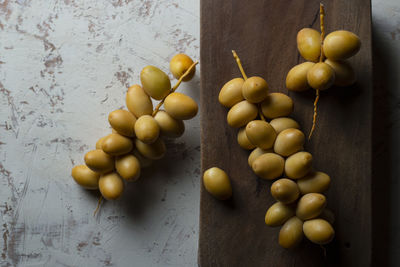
<point>136,138</point>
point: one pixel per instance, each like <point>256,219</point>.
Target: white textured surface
<point>64,65</point>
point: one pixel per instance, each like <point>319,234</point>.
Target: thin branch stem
<point>98,206</point>
<point>239,63</point>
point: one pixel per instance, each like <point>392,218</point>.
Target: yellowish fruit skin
<point>296,79</point>
<point>128,167</point>
<point>147,129</point>
<point>261,134</point>
<point>318,231</point>
<point>179,64</point>
<point>99,161</point>
<point>344,73</point>
<point>256,153</point>
<point>284,123</point>
<point>341,45</point>
<point>123,122</point>
<point>255,89</point>
<point>278,214</point>
<point>285,191</point>
<point>138,102</point>
<point>309,44</point>
<point>85,177</point>
<point>298,165</point>
<point>152,151</point>
<point>155,82</point>
<point>268,166</point>
<point>99,142</point>
<point>289,142</point>
<point>314,182</point>
<point>241,113</point>
<point>217,183</point>
<point>143,161</point>
<point>243,141</point>
<point>231,93</point>
<point>321,76</point>
<point>180,106</point>
<point>310,206</point>
<point>169,126</point>
<point>111,186</point>
<point>291,233</point>
<point>116,144</point>
<point>277,105</point>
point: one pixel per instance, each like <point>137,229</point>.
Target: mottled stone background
<point>64,65</point>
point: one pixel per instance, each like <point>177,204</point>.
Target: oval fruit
<point>128,167</point>
<point>179,64</point>
<point>321,76</point>
<point>99,161</point>
<point>291,233</point>
<point>155,150</point>
<point>231,93</point>
<point>85,177</point>
<point>241,113</point>
<point>143,161</point>
<point>283,123</point>
<point>310,206</point>
<point>256,153</point>
<point>277,105</point>
<point>111,186</point>
<point>278,214</point>
<point>180,106</point>
<point>298,165</point>
<point>285,191</point>
<point>138,102</point>
<point>243,141</point>
<point>309,44</point>
<point>147,129</point>
<point>255,89</point>
<point>344,73</point>
<point>296,79</point>
<point>314,182</point>
<point>99,142</point>
<point>155,82</point>
<point>123,122</point>
<point>318,231</point>
<point>261,134</point>
<point>169,126</point>
<point>341,45</point>
<point>116,144</point>
<point>268,166</point>
<point>217,183</point>
<point>289,142</point>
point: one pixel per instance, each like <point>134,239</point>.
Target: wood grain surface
<point>264,35</point>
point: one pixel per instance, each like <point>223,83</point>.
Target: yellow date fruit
<point>155,150</point>
<point>99,161</point>
<point>217,183</point>
<point>256,153</point>
<point>155,82</point>
<point>123,122</point>
<point>291,233</point>
<point>310,206</point>
<point>284,123</point>
<point>180,106</point>
<point>116,144</point>
<point>128,167</point>
<point>255,89</point>
<point>289,142</point>
<point>261,134</point>
<point>314,182</point>
<point>243,141</point>
<point>231,93</point>
<point>341,45</point>
<point>309,44</point>
<point>344,73</point>
<point>138,102</point>
<point>85,177</point>
<point>318,231</point>
<point>285,191</point>
<point>277,105</point>
<point>111,186</point>
<point>296,79</point>
<point>298,165</point>
<point>278,214</point>
<point>147,129</point>
<point>179,64</point>
<point>241,113</point>
<point>169,126</point>
<point>268,166</point>
<point>321,76</point>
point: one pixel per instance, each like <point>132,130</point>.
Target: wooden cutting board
<point>263,33</point>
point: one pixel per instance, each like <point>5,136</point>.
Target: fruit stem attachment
<point>175,87</point>
<point>260,113</point>
<point>321,59</point>
<point>98,206</point>
<point>239,63</point>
